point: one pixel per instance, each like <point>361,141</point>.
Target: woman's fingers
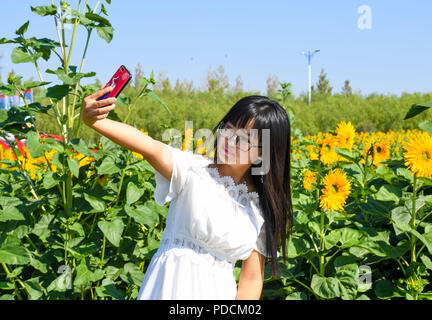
<point>103,110</point>
<point>100,92</point>
<point>95,110</point>
<point>103,103</point>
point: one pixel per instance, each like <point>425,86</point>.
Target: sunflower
<point>418,154</point>
<point>328,155</point>
<point>381,151</point>
<point>312,154</point>
<point>345,135</point>
<point>188,140</point>
<point>336,190</point>
<point>308,179</point>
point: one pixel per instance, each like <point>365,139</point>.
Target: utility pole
<point>309,56</point>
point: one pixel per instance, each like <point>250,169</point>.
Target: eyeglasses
<point>242,142</point>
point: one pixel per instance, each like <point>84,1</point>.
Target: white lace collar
<point>238,192</point>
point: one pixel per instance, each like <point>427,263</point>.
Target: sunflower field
<point>363,227</point>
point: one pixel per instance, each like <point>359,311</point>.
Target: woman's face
<point>238,145</point>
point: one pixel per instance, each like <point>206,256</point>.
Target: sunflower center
<point>378,149</point>
<point>334,189</point>
<point>327,148</point>
<point>425,156</point>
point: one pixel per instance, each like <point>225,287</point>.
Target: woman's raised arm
<point>94,115</point>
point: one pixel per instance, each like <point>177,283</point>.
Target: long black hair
<point>275,191</point>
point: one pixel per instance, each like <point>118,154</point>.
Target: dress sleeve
<point>165,190</point>
<point>260,244</point>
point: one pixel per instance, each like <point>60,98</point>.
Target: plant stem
<point>73,35</point>
<point>103,251</point>
<point>33,120</point>
<point>56,111</point>
<point>413,219</point>
<point>89,31</point>
<point>307,287</point>
<point>402,268</point>
<point>322,264</point>
<point>122,177</point>
<point>13,282</point>
<point>312,265</point>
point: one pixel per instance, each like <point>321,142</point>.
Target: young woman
<point>221,211</point>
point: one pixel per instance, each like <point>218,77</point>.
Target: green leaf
<point>15,273</point>
<point>400,219</point>
<point>4,41</point>
<point>384,289</point>
<point>57,92</point>
<point>132,274</point>
<point>405,173</point>
<point>347,273</point>
<point>298,246</point>
<point>297,296</point>
<point>97,18</point>
<point>417,108</point>
<point>142,214</point>
<point>11,213</point>
<point>33,84</point>
<point>154,97</point>
<point>107,167</point>
<point>20,55</point>
<point>40,262</point>
<point>97,204</point>
<point>22,29</point>
<point>133,193</point>
<point>7,90</point>
<point>14,255</point>
<point>353,156</point>
<point>7,286</point>
<point>81,146</point>
<point>106,33</point>
<point>426,126</point>
<point>347,237</point>
<point>42,227</point>
<point>85,277</point>
<point>112,230</point>
<point>73,165</point>
<point>426,261</point>
<point>45,10</point>
<point>111,291</point>
<point>325,287</point>
<point>34,146</point>
<point>388,192</point>
<point>385,173</point>
<point>34,288</point>
<point>314,226</point>
<point>425,238</point>
<point>50,179</point>
<point>72,78</point>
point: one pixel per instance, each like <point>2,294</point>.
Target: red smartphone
<point>118,81</point>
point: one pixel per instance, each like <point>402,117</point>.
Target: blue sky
<point>250,38</point>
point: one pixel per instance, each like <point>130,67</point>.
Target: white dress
<point>212,222</point>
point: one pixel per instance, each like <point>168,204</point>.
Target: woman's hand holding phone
<point>94,110</point>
